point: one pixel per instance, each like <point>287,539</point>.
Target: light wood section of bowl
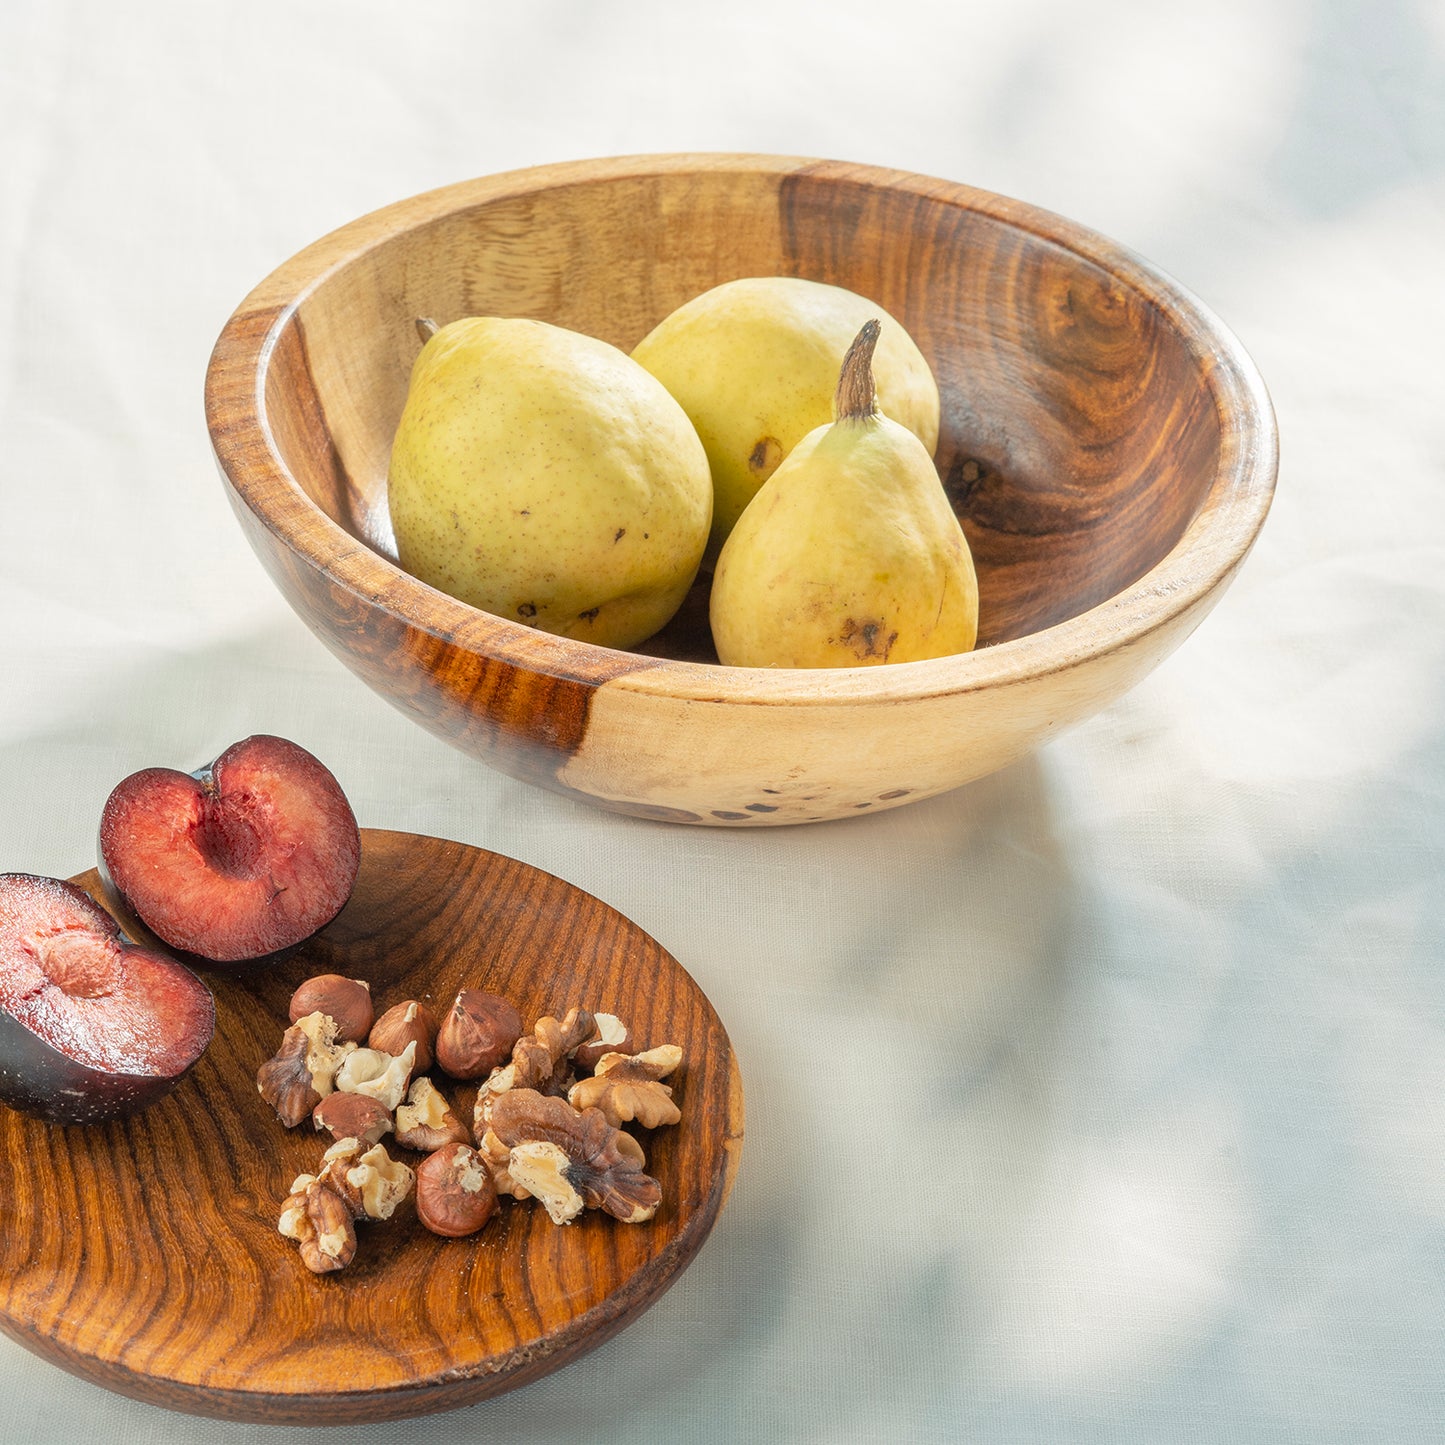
<point>1108,447</point>
<point>143,1255</point>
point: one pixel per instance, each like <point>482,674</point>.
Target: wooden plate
<point>143,1254</point>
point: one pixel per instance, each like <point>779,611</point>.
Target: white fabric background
<point>1101,1101</point>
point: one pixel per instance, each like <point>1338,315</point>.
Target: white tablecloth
<point>1103,1100</point>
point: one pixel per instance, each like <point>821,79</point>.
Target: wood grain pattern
<point>143,1254</point>
<point>1109,449</point>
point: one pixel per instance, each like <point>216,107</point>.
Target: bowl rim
<point>1202,560</point>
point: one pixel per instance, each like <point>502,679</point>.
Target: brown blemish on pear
<point>764,458</point>
<point>867,639</point>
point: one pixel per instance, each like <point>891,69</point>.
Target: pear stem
<point>856,398</point>
<point>426,328</point>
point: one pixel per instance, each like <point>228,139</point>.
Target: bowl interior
<point>1079,433</point>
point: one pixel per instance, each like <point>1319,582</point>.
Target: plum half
<point>238,861</point>
<point>91,1025</point>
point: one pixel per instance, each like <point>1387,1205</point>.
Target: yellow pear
<point>754,364</point>
<point>850,555</point>
<point>544,476</point>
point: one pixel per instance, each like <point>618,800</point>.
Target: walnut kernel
<point>303,1070</point>
<point>612,1036</point>
<point>628,1087</point>
<point>540,1060</point>
<point>320,1222</point>
<point>371,1183</point>
<point>541,1168</point>
<point>425,1122</point>
<point>603,1164</point>
<point>377,1075</point>
<point>326,1053</point>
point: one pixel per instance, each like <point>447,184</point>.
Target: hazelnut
<point>352,1116</point>
<point>347,1000</point>
<point>408,1023</point>
<point>613,1036</point>
<point>477,1034</point>
<point>454,1194</point>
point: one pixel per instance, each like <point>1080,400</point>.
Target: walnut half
<point>303,1071</point>
<point>610,1036</point>
<point>320,1222</point>
<point>628,1087</point>
<point>370,1182</point>
<point>584,1159</point>
<point>543,1170</point>
<point>425,1122</point>
<point>540,1060</point>
<point>498,1160</point>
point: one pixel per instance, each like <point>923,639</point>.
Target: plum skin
<point>37,1077</point>
<point>236,864</point>
<point>39,1080</point>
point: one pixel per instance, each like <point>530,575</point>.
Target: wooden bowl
<point>142,1253</point>
<point>1107,445</point>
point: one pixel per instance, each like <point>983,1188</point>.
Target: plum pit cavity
<point>79,961</point>
<point>228,838</point>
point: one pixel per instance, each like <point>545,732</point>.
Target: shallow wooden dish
<point>1107,444</point>
<point>143,1255</point>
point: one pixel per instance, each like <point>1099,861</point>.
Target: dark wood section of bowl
<point>142,1254</point>
<point>1078,437</point>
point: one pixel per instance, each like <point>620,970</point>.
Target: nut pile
<point>548,1121</point>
